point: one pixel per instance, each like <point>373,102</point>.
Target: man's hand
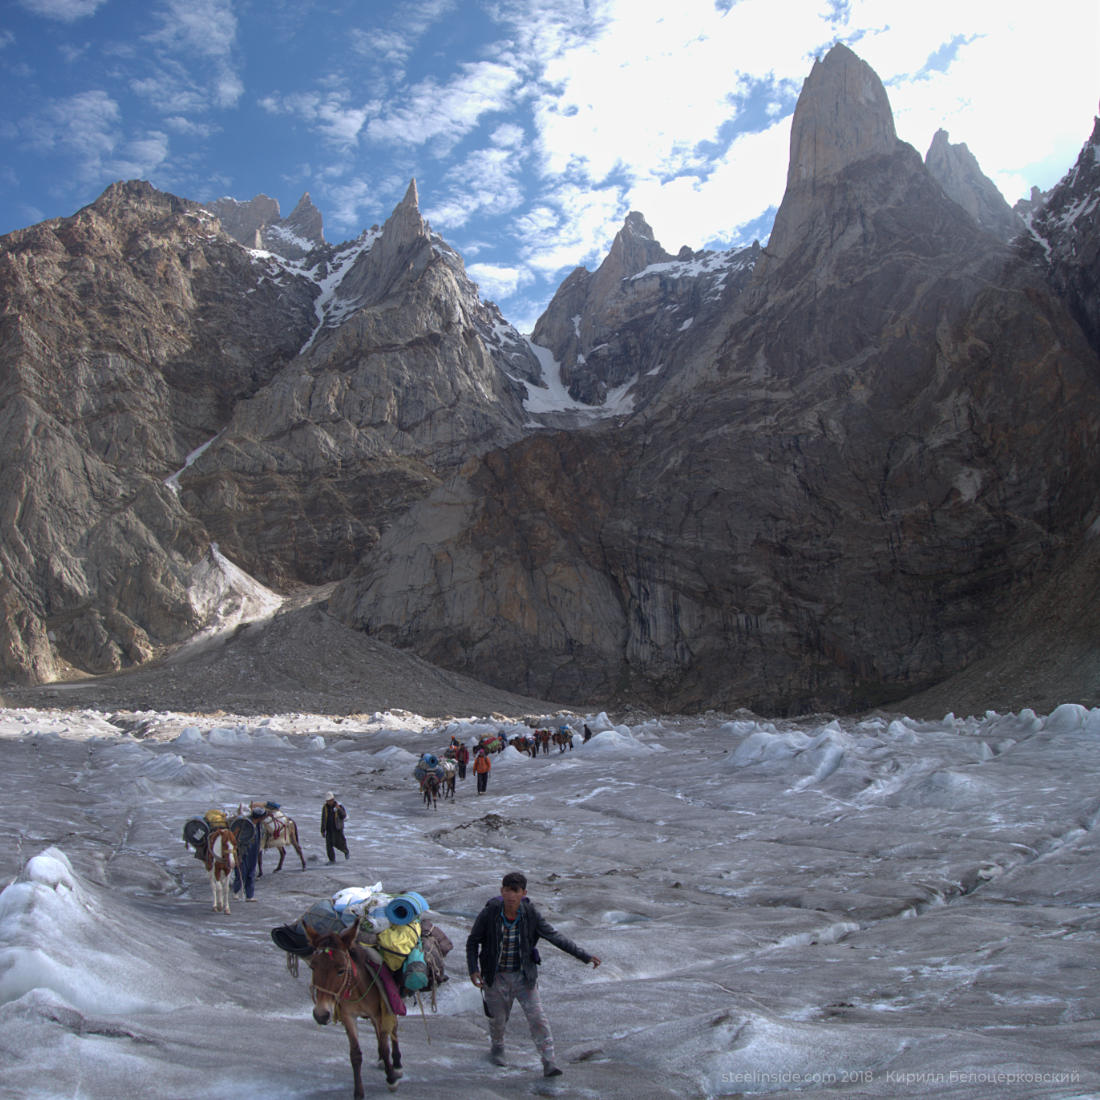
<point>595,961</point>
<point>475,977</point>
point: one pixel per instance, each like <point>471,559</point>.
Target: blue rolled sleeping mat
<point>405,908</point>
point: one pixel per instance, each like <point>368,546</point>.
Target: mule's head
<point>333,971</point>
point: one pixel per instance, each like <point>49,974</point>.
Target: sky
<point>532,127</point>
<point>873,907</point>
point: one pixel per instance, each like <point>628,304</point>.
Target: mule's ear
<point>349,934</point>
<point>313,937</point>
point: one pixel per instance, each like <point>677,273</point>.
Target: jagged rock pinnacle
<point>956,170</point>
<point>843,116</point>
<point>632,250</point>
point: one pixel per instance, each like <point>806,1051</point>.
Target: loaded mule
<point>279,831</point>
<point>220,858</point>
<point>344,987</point>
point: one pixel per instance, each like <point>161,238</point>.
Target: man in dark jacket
<point>332,827</point>
<point>502,960</point>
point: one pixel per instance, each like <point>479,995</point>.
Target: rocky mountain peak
<point>128,197</point>
<point>956,170</point>
<point>842,116</point>
<point>244,221</point>
<point>633,250</point>
<point>257,224</point>
<point>404,226</point>
<point>303,229</point>
<point>1034,201</point>
<point>620,326</point>
<point>1064,236</point>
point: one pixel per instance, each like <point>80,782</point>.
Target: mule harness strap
<point>343,993</point>
<point>422,1016</point>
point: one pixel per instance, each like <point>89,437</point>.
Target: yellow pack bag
<point>397,941</point>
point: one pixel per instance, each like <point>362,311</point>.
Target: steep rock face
<point>628,323</point>
<point>163,388</point>
<point>297,235</point>
<point>127,337</point>
<point>403,379</point>
<point>1064,235</point>
<point>958,173</point>
<point>825,140</point>
<point>1025,208</point>
<point>245,221</point>
<point>257,224</point>
<point>586,323</point>
<point>880,447</point>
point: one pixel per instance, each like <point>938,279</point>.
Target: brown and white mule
<point>344,987</point>
<point>220,859</point>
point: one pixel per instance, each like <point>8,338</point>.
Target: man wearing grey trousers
<point>502,959</point>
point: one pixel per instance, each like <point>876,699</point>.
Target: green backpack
<point>414,971</point>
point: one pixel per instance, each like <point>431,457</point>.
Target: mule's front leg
<point>355,1053</point>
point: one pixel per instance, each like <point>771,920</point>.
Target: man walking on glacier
<point>502,959</point>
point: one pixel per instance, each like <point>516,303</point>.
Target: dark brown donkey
<point>344,987</point>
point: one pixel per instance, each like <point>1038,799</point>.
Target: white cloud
<point>749,178</point>
<point>64,11</point>
<point>575,227</point>
<point>447,111</point>
<point>395,44</point>
<point>338,122</point>
<point>1020,95</point>
<point>380,44</point>
<point>140,156</point>
<point>486,182</point>
<point>87,127</point>
<point>172,90</point>
<point>197,31</point>
<point>657,80</point>
<point>645,95</point>
<point>206,27</point>
<point>499,280</point>
<point>187,127</point>
<point>346,200</point>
